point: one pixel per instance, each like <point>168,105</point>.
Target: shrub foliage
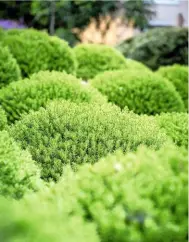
<point>158,47</point>
<point>9,69</point>
<point>69,133</point>
<point>35,51</point>
<point>142,92</point>
<point>178,75</point>
<point>3,119</point>
<point>19,174</point>
<point>30,94</point>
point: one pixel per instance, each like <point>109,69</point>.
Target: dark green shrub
<point>178,75</point>
<point>158,47</point>
<point>37,222</point>
<point>9,69</point>
<point>35,51</point>
<point>140,91</point>
<point>19,174</point>
<point>93,59</point>
<point>176,126</point>
<point>3,119</point>
<point>69,133</point>
<point>30,94</point>
<point>136,197</point>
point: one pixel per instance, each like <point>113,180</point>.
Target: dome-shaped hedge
<point>3,119</point>
<point>69,133</point>
<point>42,222</point>
<point>158,47</point>
<point>176,126</point>
<point>35,51</point>
<point>30,94</point>
<point>19,174</point>
<point>142,92</point>
<point>9,69</point>
<point>178,75</point>
<point>94,58</point>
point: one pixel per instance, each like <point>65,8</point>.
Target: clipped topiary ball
<point>141,91</point>
<point>139,196</point>
<point>35,51</point>
<point>9,69</point>
<point>31,94</point>
<point>69,133</point>
<point>19,174</point>
<point>94,59</point>
<point>178,75</point>
<point>158,47</point>
<point>3,119</point>
<point>176,126</point>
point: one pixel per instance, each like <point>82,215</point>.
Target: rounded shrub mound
<point>32,222</point>
<point>35,51</point>
<point>176,126</point>
<point>19,174</point>
<point>93,59</point>
<point>178,75</point>
<point>30,94</point>
<point>3,119</point>
<point>142,92</point>
<point>69,133</point>
<point>158,47</point>
<point>9,69</point>
<point>139,196</point>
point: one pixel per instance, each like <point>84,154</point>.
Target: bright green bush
<point>35,51</point>
<point>137,197</point>
<point>140,91</point>
<point>19,174</point>
<point>178,75</point>
<point>30,94</point>
<point>9,69</point>
<point>93,59</point>
<point>158,47</point>
<point>176,126</point>
<point>69,133</point>
<point>3,119</point>
<point>41,223</point>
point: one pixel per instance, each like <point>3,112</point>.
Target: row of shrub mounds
<point>93,142</point>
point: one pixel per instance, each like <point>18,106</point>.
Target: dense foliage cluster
<point>35,51</point>
<point>128,197</point>
<point>30,94</point>
<point>3,119</point>
<point>142,92</point>
<point>19,174</point>
<point>158,47</point>
<point>68,133</point>
<point>93,59</point>
<point>176,126</point>
<point>9,69</point>
<point>178,75</point>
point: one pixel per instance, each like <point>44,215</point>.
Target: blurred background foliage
<point>68,19</point>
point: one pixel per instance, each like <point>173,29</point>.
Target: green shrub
<point>158,47</point>
<point>19,174</point>
<point>176,126</point>
<point>9,69</point>
<point>93,59</point>
<point>3,119</point>
<point>69,133</point>
<point>178,75</point>
<point>35,51</point>
<point>30,94</point>
<point>41,223</point>
<point>140,91</point>
<point>137,197</point>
